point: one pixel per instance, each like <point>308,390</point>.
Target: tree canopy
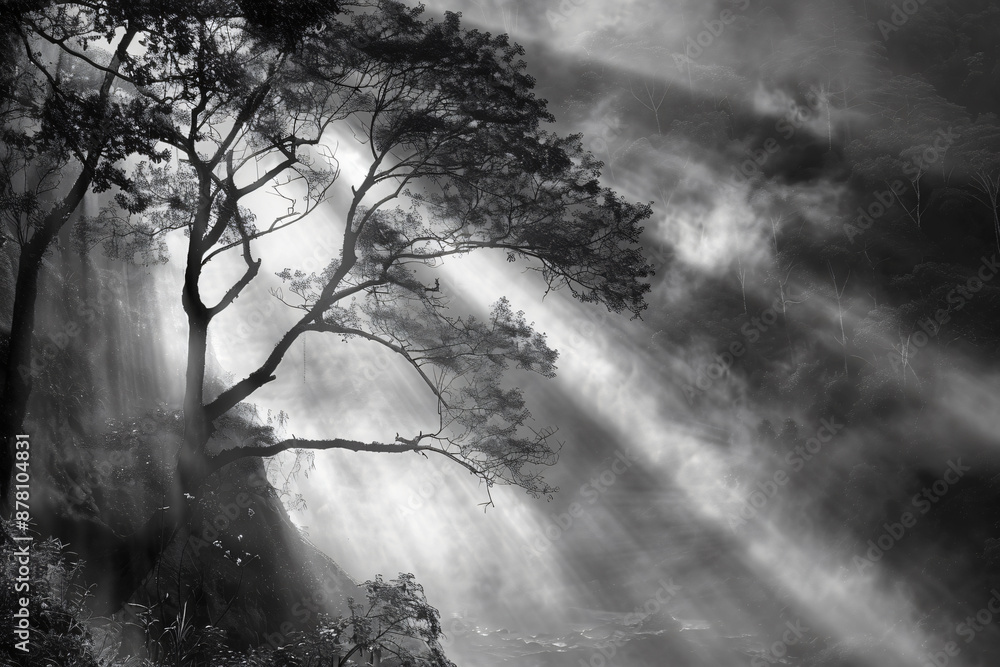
<point>183,116</point>
<point>217,101</point>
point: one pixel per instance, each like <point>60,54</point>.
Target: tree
<point>450,126</point>
<point>834,57</point>
<point>72,112</point>
<point>394,621</point>
<point>980,166</point>
<point>57,120</point>
<point>838,292</point>
<point>449,112</point>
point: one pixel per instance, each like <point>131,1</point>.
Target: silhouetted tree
<point>72,112</point>
<point>450,127</point>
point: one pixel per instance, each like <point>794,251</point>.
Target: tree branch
<point>229,455</point>
<point>235,290</point>
<point>398,349</point>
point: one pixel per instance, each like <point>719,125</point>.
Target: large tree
<point>74,106</point>
<point>458,161</point>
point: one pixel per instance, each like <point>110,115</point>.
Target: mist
<point>789,458</point>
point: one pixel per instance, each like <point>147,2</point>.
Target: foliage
<point>452,126</point>
<point>184,115</point>
<point>394,621</point>
<point>56,605</point>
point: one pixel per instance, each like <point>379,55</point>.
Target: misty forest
<point>493,332</point>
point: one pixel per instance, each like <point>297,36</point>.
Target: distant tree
<point>838,292</point>
<point>781,271</point>
<point>978,153</point>
<point>394,624</point>
<point>394,621</point>
<point>834,58</point>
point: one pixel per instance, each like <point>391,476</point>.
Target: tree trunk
<point>192,462</point>
<point>17,385</point>
<point>135,558</point>
<point>18,365</point>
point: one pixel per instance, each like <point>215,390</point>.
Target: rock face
<point>8,279</point>
<point>247,571</point>
<point>105,432</point>
<point>243,566</point>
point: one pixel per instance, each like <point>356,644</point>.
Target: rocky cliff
<point>105,430</point>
